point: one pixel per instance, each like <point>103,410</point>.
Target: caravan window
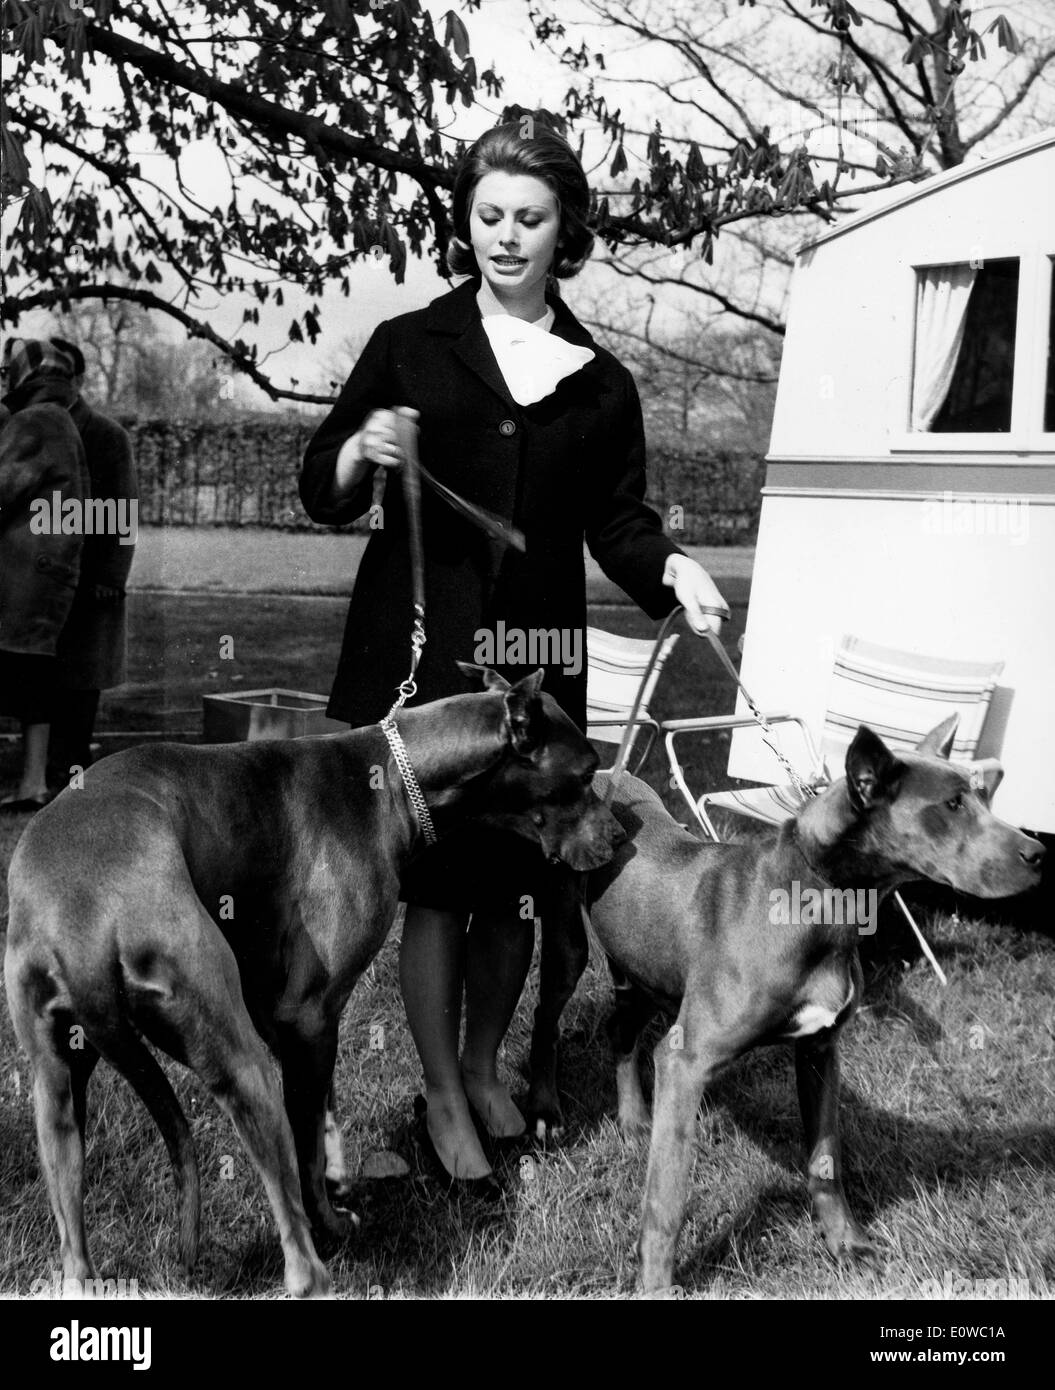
<point>964,348</point>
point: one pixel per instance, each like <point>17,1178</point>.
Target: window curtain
<point>942,294</point>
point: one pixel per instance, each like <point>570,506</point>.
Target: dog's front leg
<point>564,953</point>
<point>817,1077</point>
<point>686,1059</point>
<point>308,1056</point>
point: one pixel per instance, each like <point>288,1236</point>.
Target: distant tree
<point>132,368</point>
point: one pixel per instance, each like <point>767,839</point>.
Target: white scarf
<point>531,359</point>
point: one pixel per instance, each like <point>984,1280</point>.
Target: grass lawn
<point>947,1110</point>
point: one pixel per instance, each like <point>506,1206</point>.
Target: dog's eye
<point>956,803</point>
<point>539,818</point>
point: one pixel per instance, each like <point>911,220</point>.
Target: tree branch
<point>269,115</point>
<point>13,307</point>
<point>763,320</point>
<point>755,378</point>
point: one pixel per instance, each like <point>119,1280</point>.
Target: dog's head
<point>929,818</point>
<point>542,787</point>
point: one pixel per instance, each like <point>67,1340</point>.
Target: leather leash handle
<point>406,429</point>
<point>414,475</point>
<point>407,434</point>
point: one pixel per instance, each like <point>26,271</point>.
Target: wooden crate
<point>244,715</point>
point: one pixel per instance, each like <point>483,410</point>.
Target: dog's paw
<point>545,1119</point>
<point>843,1237</point>
<point>547,1130</point>
<point>308,1279</point>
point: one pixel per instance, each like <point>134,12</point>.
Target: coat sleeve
<point>40,449</point>
<point>624,534</point>
<point>108,558</point>
<point>368,388</point>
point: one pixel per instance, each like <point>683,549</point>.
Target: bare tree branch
<point>13,307</point>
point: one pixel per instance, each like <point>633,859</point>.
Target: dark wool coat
<point>569,467</point>
<point>40,455</point>
<point>92,648</point>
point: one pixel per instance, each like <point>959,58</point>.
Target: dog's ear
<point>491,679</point>
<point>938,743</point>
<point>524,716</point>
<point>873,774</point>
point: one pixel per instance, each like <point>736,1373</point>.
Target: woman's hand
<point>695,590</point>
<point>376,444</point>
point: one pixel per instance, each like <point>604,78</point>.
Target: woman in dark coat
<point>41,460</point>
<point>521,412</point>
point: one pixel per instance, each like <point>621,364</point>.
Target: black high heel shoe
<point>485,1189</point>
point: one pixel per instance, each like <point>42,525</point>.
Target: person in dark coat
<point>42,470</point>
<point>520,412</point>
<point>90,652</point>
<point>92,649</point>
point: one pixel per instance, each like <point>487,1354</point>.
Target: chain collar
<point>410,781</point>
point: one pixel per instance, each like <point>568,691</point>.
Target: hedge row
<point>244,473</point>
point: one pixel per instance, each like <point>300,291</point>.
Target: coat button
<point>507,427</point>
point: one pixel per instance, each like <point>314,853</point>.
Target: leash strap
<point>493,526</point>
<point>413,788</point>
<point>769,738</point>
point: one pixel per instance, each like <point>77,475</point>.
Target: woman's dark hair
<point>543,155</point>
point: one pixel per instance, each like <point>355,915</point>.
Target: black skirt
<point>476,867</point>
<point>28,686</point>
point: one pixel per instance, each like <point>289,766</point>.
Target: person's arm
<point>626,536</point>
<point>336,480</point>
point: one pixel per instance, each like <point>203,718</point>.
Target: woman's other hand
<point>376,444</point>
<point>696,591</point>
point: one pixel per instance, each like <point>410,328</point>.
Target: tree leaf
<point>456,35</point>
<point>1005,35</point>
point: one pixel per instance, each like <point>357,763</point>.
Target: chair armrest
<point>642,721</point>
<point>723,721</point>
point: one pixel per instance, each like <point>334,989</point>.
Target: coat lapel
<point>456,314</point>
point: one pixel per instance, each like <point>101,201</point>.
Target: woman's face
<point>514,223</point>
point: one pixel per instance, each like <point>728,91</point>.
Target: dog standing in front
<point>688,929</point>
<point>209,898</point>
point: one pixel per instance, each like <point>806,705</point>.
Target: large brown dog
<point>208,898</point>
<point>704,932</point>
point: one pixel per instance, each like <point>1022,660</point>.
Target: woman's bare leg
<point>432,977</point>
<point>497,963</point>
<point>34,783</point>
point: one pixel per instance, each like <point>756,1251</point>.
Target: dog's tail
<point>118,1041</point>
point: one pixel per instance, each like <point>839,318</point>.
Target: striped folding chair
<point>901,695</point>
<point>615,667</point>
